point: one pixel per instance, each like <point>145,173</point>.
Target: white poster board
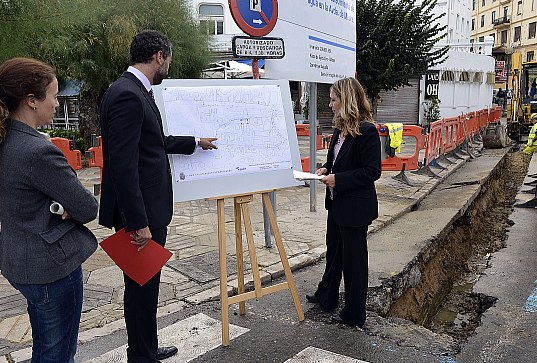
<point>253,121</point>
<point>320,41</point>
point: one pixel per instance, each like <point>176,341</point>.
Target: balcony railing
<point>504,20</point>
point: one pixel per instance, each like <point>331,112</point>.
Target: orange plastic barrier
<point>399,163</point>
<point>319,142</point>
<point>96,156</point>
<point>434,141</point>
<point>473,123</point>
<point>305,163</point>
<point>302,129</point>
<point>498,112</point>
<point>450,134</point>
<point>495,114</point>
<point>74,157</point>
<point>483,117</point>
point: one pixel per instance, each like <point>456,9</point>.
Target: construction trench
<point>443,300</point>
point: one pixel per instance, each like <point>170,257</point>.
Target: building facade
<point>512,25</point>
<point>465,78</point>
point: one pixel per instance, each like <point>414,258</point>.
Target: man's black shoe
<point>166,352</point>
<point>312,299</point>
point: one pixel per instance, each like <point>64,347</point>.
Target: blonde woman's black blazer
<point>356,168</point>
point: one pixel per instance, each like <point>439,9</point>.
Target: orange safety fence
<point>483,117</point>
<point>399,163</point>
<point>74,157</point>
<point>303,129</point>
<point>305,161</point>
<point>498,112</point>
<point>95,156</point>
<point>434,141</point>
<point>450,134</point>
<point>473,122</point>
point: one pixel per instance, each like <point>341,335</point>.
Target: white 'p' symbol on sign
<point>255,5</point>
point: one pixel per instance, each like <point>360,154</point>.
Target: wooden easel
<point>241,207</point>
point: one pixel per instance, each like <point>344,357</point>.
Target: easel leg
<point>283,256</point>
<point>240,257</point>
<point>251,249</point>
<point>223,272</point>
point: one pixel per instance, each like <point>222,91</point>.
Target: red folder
<point>140,266</point>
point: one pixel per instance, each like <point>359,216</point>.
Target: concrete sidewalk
<point>192,274</point>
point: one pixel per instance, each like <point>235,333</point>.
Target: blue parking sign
<point>255,17</point>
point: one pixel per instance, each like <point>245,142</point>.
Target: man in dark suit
<point>137,186</point>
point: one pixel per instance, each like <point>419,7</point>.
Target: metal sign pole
<point>255,68</point>
<point>312,113</point>
<point>272,195</point>
<point>258,21</point>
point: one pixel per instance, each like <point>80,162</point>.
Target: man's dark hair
<point>146,44</point>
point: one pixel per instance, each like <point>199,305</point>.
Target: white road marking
<point>193,337</point>
<point>316,355</point>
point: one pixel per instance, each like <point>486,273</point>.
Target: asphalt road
<point>275,335</point>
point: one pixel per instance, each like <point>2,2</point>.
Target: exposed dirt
<point>461,302</point>
<point>443,301</point>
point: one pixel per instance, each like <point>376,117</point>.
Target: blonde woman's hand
<point>329,180</point>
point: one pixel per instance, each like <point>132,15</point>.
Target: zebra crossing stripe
<point>193,336</point>
<point>316,355</point>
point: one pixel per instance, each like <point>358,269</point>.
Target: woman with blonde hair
<point>353,164</point>
<point>41,252</point>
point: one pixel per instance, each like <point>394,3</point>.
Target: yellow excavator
<point>520,105</point>
<point>523,101</point>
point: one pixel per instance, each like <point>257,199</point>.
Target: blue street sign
<point>255,17</point>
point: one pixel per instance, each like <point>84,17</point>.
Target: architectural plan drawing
<point>249,122</point>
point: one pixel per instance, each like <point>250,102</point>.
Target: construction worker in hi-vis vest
<point>532,141</point>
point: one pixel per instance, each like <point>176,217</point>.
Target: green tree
<point>88,40</point>
<point>395,43</point>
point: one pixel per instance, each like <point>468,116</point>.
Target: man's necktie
<point>152,94</point>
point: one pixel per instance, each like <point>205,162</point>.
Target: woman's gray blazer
<point>36,246</point>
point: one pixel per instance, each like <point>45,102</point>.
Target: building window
<point>493,35</point>
<point>481,39</point>
<point>473,24</point>
<point>211,18</point>
<point>533,5</point>
<point>529,56</point>
<point>505,12</point>
<point>483,3</point>
<point>482,21</point>
<point>493,16</point>
<point>519,8</point>
<point>504,36</point>
<point>517,34</point>
<point>531,33</point>
<point>473,4</point>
